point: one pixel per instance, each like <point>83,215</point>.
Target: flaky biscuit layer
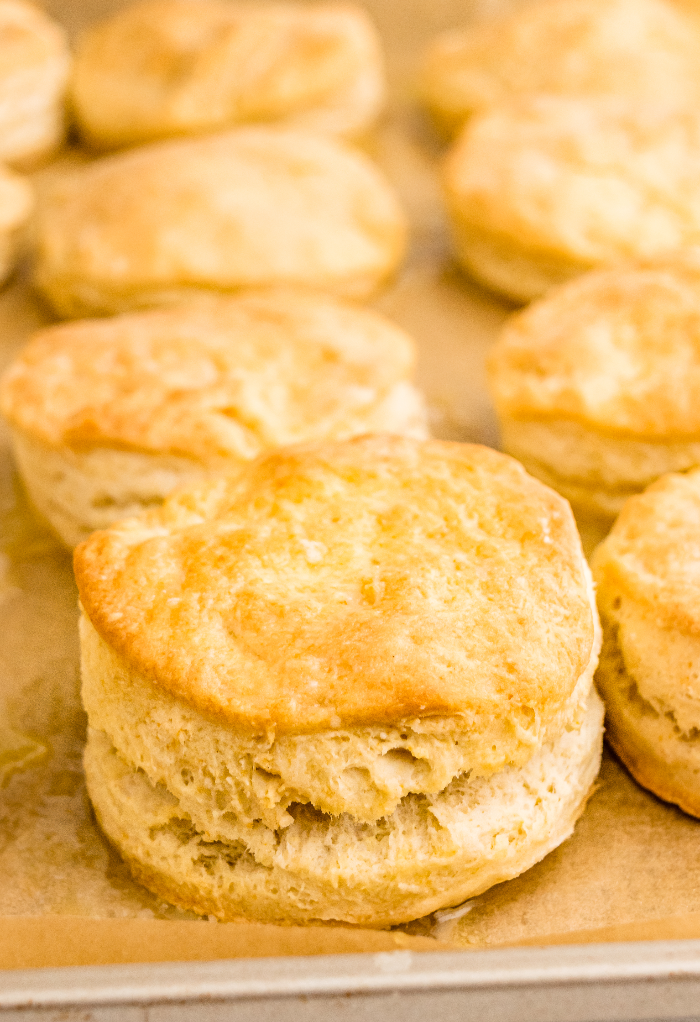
<point>432,851</point>
<point>338,580</point>
<point>642,49</point>
<point>597,473</point>
<point>170,67</point>
<point>654,747</point>
<point>76,492</point>
<point>648,577</point>
<point>253,207</point>
<point>364,771</point>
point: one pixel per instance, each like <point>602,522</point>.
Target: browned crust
<point>441,580</point>
<point>633,327</point>
<point>221,379</point>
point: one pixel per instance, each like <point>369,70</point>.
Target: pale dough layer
<point>596,472</point>
<point>362,771</point>
<point>432,851</point>
<point>661,753</point>
<point>16,204</point>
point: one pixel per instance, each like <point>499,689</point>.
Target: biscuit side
<point>660,754</point>
<point>76,492</point>
<point>432,851</point>
<point>596,472</point>
<point>364,771</point>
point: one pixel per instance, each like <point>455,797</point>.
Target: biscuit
<point>108,416</point>
<point>597,386</point>
<point>34,68</point>
<point>644,50</point>
<point>648,577</point>
<point>249,208</point>
<point>175,67</point>
<point>304,681</point>
<point>16,204</point>
<point>547,188</point>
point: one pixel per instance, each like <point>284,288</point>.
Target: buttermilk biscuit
<point>180,67</point>
<point>108,416</point>
<point>547,188</point>
<point>352,681</point>
<point>248,208</point>
<point>16,203</point>
<point>648,577</point>
<point>597,386</point>
<point>34,66</point>
<point>640,49</point>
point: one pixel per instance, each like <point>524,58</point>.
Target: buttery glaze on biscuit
<point>34,68</point>
<point>352,682</point>
<point>249,208</point>
<point>541,190</point>
<point>401,535</point>
<point>108,416</point>
<point>597,386</point>
<point>645,50</point>
<point>648,577</point>
<point>180,67</point>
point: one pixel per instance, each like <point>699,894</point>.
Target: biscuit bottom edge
<point>431,852</point>
<point>660,757</point>
<point>517,272</point>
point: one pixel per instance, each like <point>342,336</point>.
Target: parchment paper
<point>633,864</point>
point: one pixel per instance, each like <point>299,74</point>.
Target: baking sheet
<point>632,860</point>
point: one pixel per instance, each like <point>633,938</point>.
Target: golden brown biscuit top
<point>16,199</point>
<point>340,584</point>
<point>28,39</point>
<point>591,181</point>
<point>644,49</point>
<point>220,379</point>
<point>653,551</point>
<point>618,350</point>
<point>168,66</point>
<point>244,208</point>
